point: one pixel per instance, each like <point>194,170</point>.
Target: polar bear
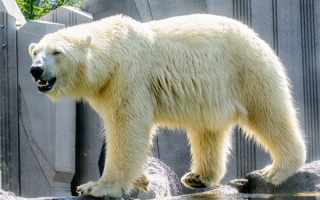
<point>201,72</point>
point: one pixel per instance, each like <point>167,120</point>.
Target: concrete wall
<point>37,116</point>
<point>291,27</point>
<point>8,104</point>
<point>12,8</point>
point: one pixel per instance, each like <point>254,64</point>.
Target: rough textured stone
<point>307,179</point>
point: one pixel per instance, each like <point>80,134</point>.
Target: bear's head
<point>58,61</point>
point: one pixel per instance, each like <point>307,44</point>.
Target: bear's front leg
<point>128,138</point>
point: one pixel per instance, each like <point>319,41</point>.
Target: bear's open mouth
<point>44,86</point>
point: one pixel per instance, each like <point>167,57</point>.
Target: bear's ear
<point>31,47</point>
<point>86,40</point>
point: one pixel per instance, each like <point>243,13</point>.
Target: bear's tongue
<point>42,83</point>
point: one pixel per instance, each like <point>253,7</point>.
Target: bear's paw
<point>193,180</point>
<point>99,189</point>
<point>278,175</point>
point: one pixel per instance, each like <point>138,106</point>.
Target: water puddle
<point>280,196</point>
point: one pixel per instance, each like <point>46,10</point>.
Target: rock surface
<point>307,179</point>
<point>5,195</point>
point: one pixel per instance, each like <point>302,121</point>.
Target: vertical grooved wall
<point>310,79</point>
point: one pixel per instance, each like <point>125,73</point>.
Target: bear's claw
<point>142,183</point>
<point>192,180</point>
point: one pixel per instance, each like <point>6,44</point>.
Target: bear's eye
<point>34,53</point>
<point>56,52</point>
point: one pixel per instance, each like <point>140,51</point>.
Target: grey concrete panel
<point>317,47</point>
<point>41,110</point>
<point>33,182</point>
<point>245,153</point>
<point>25,126</point>
<point>264,23</point>
<point>217,7</point>
<point>90,139</point>
<point>12,8</point>
<point>65,140</point>
<point>310,78</point>
<point>2,7</point>
<point>167,8</point>
<point>9,104</point>
<point>174,151</point>
<point>105,8</point>
<point>69,16</point>
<point>263,20</point>
<point>289,49</point>
<point>144,10</point>
<point>40,28</point>
<point>60,189</point>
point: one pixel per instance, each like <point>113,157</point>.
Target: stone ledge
<point>5,195</point>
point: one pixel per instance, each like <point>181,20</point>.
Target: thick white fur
<point>201,72</point>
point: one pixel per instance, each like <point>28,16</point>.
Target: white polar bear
<point>204,73</point>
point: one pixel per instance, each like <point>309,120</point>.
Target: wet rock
<point>307,179</point>
<point>241,185</point>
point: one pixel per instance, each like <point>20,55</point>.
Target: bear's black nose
<point>36,72</point>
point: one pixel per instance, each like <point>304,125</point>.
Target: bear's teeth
<point>40,85</point>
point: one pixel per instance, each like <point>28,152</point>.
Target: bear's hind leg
<point>209,152</point>
<point>282,138</point>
